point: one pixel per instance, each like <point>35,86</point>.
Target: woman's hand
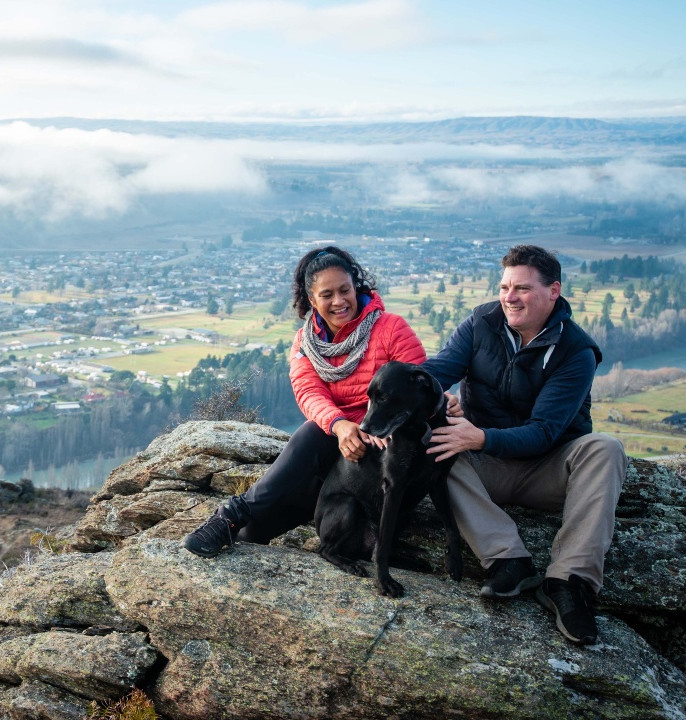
<point>352,442</point>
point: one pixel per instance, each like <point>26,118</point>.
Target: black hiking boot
<point>507,577</point>
<point>218,531</point>
<point>572,602</point>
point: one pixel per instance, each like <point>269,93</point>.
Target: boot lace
<point>216,528</point>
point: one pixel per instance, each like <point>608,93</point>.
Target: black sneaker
<point>214,534</point>
<point>572,602</point>
<point>507,577</point>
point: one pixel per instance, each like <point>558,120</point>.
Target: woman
<point>346,338</point>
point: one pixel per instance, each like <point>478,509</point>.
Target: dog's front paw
<point>454,565</point>
<point>357,569</point>
<point>390,587</point>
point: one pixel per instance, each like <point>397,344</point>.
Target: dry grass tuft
<point>134,706</point>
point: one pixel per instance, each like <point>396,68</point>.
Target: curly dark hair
<point>322,258</point>
<point>545,262</point>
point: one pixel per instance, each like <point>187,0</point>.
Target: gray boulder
<point>278,632</point>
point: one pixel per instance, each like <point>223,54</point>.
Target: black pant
<point>286,495</point>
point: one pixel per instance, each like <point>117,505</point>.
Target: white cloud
<point>60,173</point>
<point>370,24</point>
<point>623,180</point>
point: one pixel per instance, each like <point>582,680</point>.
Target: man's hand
<point>457,436</point>
<point>352,442</point>
<point>453,408</point>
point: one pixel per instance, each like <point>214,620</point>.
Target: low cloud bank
<point>59,173</point>
<point>627,180</point>
<point>56,174</point>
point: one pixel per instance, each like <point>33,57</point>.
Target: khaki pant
<point>582,478</point>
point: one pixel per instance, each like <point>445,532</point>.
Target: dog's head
<point>400,394</point>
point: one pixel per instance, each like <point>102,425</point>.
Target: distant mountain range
<point>521,129</point>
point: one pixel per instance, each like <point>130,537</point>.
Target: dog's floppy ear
<point>422,377</point>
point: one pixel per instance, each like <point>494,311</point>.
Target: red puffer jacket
<point>323,402</point>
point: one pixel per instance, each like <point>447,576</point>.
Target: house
<point>43,380</point>
<point>64,408</point>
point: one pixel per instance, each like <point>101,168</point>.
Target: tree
<point>415,288</point>
<point>609,300</point>
<point>279,305</point>
<point>212,306</point>
<point>196,377</point>
<point>441,286</point>
<point>123,378</point>
<point>228,304</point>
<point>166,392</point>
<point>605,320</point>
<point>226,241</point>
<point>425,305</point>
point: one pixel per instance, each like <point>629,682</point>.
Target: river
<point>86,475</point>
<point>669,358</point>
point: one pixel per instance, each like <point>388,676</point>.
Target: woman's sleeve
<point>404,345</point>
<point>311,393</point>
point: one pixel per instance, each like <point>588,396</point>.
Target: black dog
<point>360,503</point>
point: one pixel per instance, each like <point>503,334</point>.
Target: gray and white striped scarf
<point>354,346</point>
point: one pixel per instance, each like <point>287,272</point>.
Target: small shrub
<point>134,706</point>
<point>677,464</point>
<point>225,403</point>
<point>47,543</point>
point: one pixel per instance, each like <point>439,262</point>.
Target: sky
<point>310,61</point>
<point>341,59</point>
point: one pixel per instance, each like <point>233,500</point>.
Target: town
<point>100,351</point>
<point>64,315</point>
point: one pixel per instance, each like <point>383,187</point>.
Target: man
<point>525,438</point>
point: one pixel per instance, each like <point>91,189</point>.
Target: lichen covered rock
<point>276,632</point>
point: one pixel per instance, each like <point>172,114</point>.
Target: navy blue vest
<point>501,385</point>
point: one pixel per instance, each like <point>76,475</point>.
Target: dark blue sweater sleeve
<point>558,402</point>
<point>450,365</point>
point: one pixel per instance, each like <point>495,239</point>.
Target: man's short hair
<point>536,257</point>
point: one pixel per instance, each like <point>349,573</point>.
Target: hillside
<point>37,522</point>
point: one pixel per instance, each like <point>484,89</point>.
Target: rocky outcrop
<point>278,632</point>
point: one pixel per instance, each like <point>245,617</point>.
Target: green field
<point>165,360</point>
<point>641,430</point>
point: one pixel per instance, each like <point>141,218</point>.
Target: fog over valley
<point>65,181</point>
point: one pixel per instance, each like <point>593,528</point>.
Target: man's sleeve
<point>556,406</point>
<point>451,363</point>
